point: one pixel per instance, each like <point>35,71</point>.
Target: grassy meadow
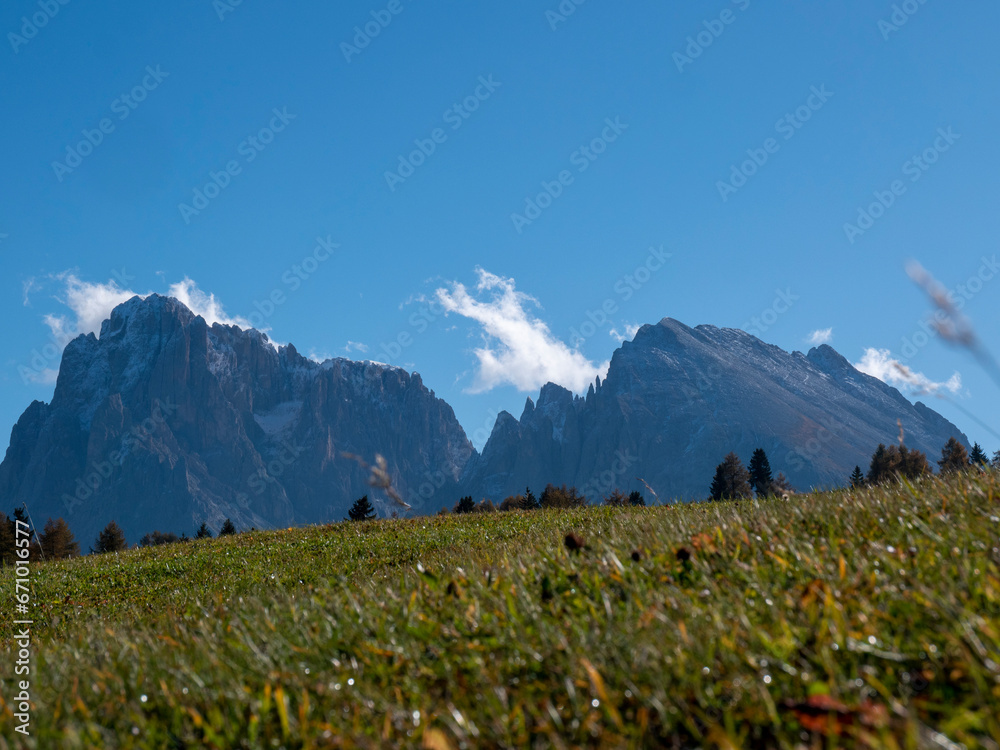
<point>866,618</point>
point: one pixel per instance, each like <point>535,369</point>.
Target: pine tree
<point>913,464</point>
<point>203,532</point>
<point>228,528</point>
<point>530,502</point>
<point>112,539</point>
<point>7,547</point>
<point>158,538</point>
<point>780,486</point>
<point>953,457</point>
<point>857,478</point>
<point>616,499</point>
<point>636,499</point>
<point>881,467</point>
<point>561,497</point>
<point>362,510</point>
<point>57,540</point>
<point>465,505</point>
<point>760,472</point>
<point>732,480</point>
<point>996,460</point>
<point>978,457</point>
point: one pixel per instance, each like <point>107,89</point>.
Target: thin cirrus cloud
<point>880,364</point>
<point>820,336</point>
<point>518,348</point>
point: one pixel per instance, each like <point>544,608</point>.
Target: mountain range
<point>164,422</point>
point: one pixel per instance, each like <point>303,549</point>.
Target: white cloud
<point>28,286</point>
<point>879,363</point>
<point>355,346</point>
<point>518,348</point>
<point>821,336</point>
<point>90,304</point>
<point>630,331</point>
<point>205,305</point>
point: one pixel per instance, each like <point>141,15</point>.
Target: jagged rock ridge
<point>677,399</point>
<point>164,422</point>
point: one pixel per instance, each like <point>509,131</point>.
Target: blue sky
<point>704,157</point>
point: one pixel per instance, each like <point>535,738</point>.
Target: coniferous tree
<point>913,464</point>
<point>512,502</point>
<point>7,547</point>
<point>760,473</point>
<point>635,498</point>
<point>953,457</point>
<point>465,505</point>
<point>362,510</point>
<point>732,480</point>
<point>530,502</point>
<point>158,538</point>
<point>561,497</point>
<point>978,457</point>
<point>203,532</point>
<point>857,478</point>
<point>57,540</point>
<point>996,460</point>
<point>616,499</point>
<point>112,539</point>
<point>881,467</point>
<point>228,528</point>
<point>780,486</point>
<point>892,463</point>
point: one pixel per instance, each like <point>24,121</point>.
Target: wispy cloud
<point>90,304</point>
<point>354,346</point>
<point>630,330</point>
<point>821,336</point>
<point>205,305</point>
<point>880,364</point>
<point>518,347</point>
<point>27,287</point>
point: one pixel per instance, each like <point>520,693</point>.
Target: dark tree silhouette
<point>362,510</point>
<point>892,463</point>
<point>857,478</point>
<point>112,539</point>
<point>57,540</point>
<point>465,505</point>
<point>228,528</point>
<point>978,457</point>
<point>732,480</point>
<point>7,547</point>
<point>760,473</point>
<point>780,486</point>
<point>953,457</point>
<point>561,497</point>
<point>616,499</point>
<point>158,538</point>
<point>530,501</point>
<point>635,498</point>
<point>203,532</point>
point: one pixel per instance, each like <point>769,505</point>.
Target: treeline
<point>732,481</point>
<point>891,464</point>
<point>56,542</point>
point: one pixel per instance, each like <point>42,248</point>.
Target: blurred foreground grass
<point>847,619</point>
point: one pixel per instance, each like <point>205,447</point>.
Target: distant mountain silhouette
<point>164,422</point>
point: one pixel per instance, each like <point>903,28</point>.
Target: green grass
<point>847,619</point>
